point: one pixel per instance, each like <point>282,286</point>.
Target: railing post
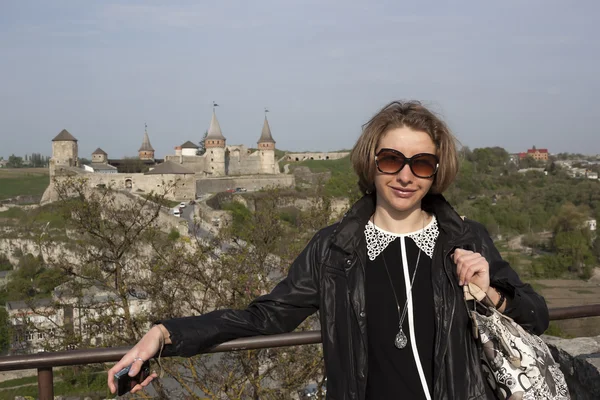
<point>45,383</point>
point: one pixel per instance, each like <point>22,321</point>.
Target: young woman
<point>386,278</point>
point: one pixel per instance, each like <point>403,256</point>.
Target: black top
<point>393,372</point>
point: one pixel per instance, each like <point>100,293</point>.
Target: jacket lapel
<point>350,238</point>
<point>454,233</point>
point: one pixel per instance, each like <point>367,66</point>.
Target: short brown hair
<point>413,115</point>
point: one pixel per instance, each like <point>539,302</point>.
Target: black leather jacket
<point>329,276</point>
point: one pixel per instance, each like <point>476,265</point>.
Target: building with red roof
<point>536,154</point>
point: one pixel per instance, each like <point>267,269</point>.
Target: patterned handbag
<point>517,364</point>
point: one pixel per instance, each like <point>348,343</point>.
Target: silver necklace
<point>401,340</point>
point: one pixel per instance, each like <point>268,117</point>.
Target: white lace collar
<point>378,239</point>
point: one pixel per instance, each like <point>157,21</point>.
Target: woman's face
<point>402,192</point>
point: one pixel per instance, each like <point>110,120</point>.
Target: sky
<point>508,73</point>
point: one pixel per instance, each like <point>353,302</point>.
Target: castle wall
<point>140,183</point>
<point>239,147</point>
<point>315,156</point>
<point>194,163</point>
<point>242,163</point>
<point>239,161</point>
<point>249,182</point>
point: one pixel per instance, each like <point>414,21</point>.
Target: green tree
<point>32,279</point>
<point>574,248</point>
<point>596,248</point>
<point>488,159</point>
<point>5,264</point>
<point>37,160</point>
<point>15,162</point>
<point>174,234</point>
<point>549,266</point>
<point>132,165</point>
<point>569,218</point>
<point>530,162</point>
<point>572,239</point>
<point>5,332</point>
<point>202,145</point>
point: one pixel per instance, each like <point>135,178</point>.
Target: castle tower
<point>215,148</point>
<point>146,150</point>
<point>99,156</point>
<point>64,151</point>
<point>266,147</point>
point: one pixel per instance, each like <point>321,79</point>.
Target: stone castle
<point>64,163</point>
<point>221,160</point>
<point>221,167</point>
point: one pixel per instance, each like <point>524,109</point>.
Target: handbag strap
<point>474,292</point>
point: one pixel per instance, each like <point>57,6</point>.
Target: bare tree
<point>121,270</point>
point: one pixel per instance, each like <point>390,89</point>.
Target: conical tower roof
<point>146,146</point>
<point>100,151</point>
<point>265,136</point>
<point>64,136</point>
<point>214,130</point>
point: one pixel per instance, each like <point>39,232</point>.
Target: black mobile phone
<point>125,383</point>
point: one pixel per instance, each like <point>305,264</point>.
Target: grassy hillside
<point>510,204</point>
<point>39,216</point>
<point>505,201</point>
<point>65,384</point>
<point>23,181</point>
<point>343,182</point>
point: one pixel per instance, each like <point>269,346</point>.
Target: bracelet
<point>502,299</point>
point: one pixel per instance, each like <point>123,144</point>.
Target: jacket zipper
<point>354,370</point>
<point>453,309</point>
<point>351,352</point>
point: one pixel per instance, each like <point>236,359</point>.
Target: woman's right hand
<point>144,350</point>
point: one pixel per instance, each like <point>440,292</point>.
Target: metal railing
<point>44,362</point>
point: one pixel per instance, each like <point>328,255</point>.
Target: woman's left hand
<point>472,267</point>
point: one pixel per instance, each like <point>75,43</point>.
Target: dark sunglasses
<point>390,161</point>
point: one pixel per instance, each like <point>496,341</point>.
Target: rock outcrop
<point>579,359</point>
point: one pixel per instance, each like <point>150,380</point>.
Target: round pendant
<point>401,340</point>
